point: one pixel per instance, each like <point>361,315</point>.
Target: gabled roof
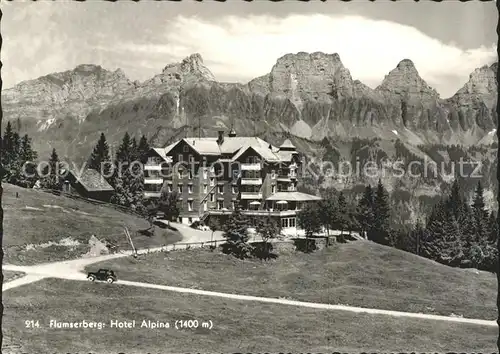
<point>287,144</point>
<point>293,196</point>
<point>161,153</point>
<point>236,146</point>
<point>92,181</point>
<point>265,153</point>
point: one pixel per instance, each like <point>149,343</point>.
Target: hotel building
<point>211,175</point>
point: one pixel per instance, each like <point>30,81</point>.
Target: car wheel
<point>91,278</point>
<point>109,280</point>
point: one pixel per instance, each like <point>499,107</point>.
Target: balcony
<point>251,166</point>
<point>151,167</point>
<point>152,194</point>
<point>260,212</point>
<point>153,180</point>
<point>283,178</point>
<point>251,195</point>
<point>251,181</point>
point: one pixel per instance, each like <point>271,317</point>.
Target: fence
<point>94,201</point>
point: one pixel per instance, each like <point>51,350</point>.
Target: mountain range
<point>310,98</point>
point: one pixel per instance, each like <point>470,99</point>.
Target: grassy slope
<point>238,326</point>
<point>358,274</point>
<point>77,220</point>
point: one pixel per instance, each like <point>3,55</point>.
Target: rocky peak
<point>480,89</point>
<point>61,91</point>
<point>89,68</point>
<point>481,81</point>
<point>305,76</point>
<point>192,65</point>
<point>404,81</point>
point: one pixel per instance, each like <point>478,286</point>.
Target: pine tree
<point>467,228</point>
<point>143,149</point>
<point>365,212</point>
<point>16,146</point>
<point>493,226</point>
<point>343,217</point>
<point>134,152</point>
<point>52,173</point>
<point>236,234</point>
<point>417,235</point>
<point>7,145</point>
<point>168,204</point>
<point>456,202</point>
<point>382,212</point>
<point>13,166</point>
<point>309,220</point>
<point>27,168</point>
<point>442,242</point>
<point>267,229</point>
<point>435,227</point>
<point>481,216</point>
<point>26,152</point>
<point>128,178</point>
<point>451,252</point>
<point>124,152</point>
<point>328,214</point>
<point>99,159</point>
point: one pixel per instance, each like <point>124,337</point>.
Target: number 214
<point>31,324</point>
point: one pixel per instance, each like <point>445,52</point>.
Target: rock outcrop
<point>311,96</point>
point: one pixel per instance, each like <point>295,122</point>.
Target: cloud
<point>242,48</point>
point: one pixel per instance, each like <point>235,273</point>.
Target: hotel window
<point>205,188</point>
<point>179,188</point>
<point>220,204</point>
<point>234,189</point>
<point>190,173</point>
<point>205,206</point>
<point>284,223</point>
<point>169,188</point>
<point>191,158</point>
<point>185,148</point>
<point>152,160</point>
<point>212,197</point>
<point>292,222</point>
<point>220,189</point>
<point>273,189</point>
<point>179,174</point>
<point>190,189</point>
<point>212,182</point>
<point>205,173</point>
<point>273,174</point>
<point>190,205</point>
<point>180,157</point>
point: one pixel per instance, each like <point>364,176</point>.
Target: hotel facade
<point>211,175</point>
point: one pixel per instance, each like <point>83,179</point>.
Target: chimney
<point>232,133</point>
<point>220,139</point>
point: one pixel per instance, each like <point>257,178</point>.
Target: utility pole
<point>130,240</point>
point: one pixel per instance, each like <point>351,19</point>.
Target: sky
<point>241,40</point>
